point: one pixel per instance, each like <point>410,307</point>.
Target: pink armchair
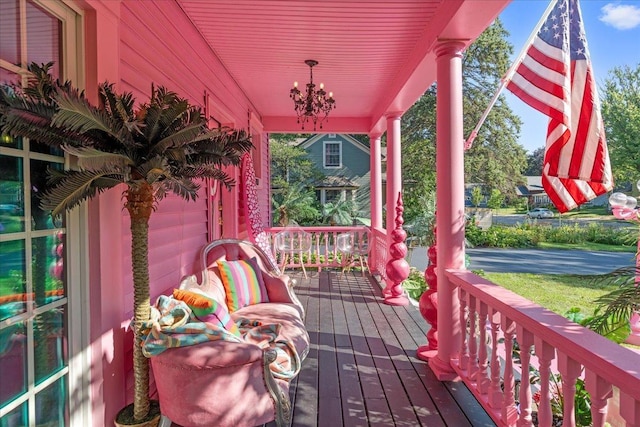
<point>230,384</point>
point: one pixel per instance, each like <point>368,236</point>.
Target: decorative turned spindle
<point>397,268</point>
<point>428,303</point>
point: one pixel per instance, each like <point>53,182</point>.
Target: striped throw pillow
<point>207,309</point>
<point>243,283</point>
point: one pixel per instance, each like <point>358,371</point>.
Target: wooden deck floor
<point>362,370</point>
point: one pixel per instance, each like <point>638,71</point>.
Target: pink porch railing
<point>493,317</point>
<point>323,252</point>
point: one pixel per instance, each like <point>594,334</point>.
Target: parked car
<point>540,213</point>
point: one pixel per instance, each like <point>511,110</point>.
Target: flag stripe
<point>555,77</point>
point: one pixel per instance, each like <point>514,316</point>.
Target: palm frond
<point>92,159</point>
<point>74,187</point>
<point>178,139</point>
<point>154,169</point>
<point>185,188</point>
<point>616,307</point>
<point>78,115</point>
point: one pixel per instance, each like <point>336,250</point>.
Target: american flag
<point>556,78</point>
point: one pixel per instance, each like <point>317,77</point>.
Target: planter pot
<point>126,414</point>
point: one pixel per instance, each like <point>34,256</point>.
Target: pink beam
<point>450,201</point>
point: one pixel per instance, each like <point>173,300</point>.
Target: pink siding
<point>264,194</point>
<point>133,44</point>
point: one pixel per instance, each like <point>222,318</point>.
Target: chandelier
<point>312,105</point>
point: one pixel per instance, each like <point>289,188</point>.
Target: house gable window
<point>332,155</point>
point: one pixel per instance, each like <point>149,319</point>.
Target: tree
<point>340,212</point>
<point>496,199</point>
<point>535,161</point>
<point>159,147</point>
<point>476,196</point>
<point>294,203</point>
<point>496,159</point>
<point>621,116</point>
<point>289,163</point>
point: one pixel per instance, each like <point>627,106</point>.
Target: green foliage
<point>290,165</point>
<point>621,116</point>
<point>496,199</point>
<point>340,212</point>
<point>476,196</point>
<point>415,285</point>
<point>527,235</point>
<point>294,204</point>
<point>421,227</point>
<point>534,162</point>
<point>611,318</point>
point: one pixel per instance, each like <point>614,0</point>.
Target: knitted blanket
<point>173,324</point>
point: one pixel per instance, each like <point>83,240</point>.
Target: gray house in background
<point>534,191</point>
<point>345,163</point>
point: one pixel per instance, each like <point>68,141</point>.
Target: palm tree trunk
<point>140,205</point>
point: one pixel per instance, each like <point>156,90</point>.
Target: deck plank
<point>380,380</point>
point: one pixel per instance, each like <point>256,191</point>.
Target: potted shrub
<point>154,148</point>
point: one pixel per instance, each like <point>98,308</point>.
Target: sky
<point>613,37</point>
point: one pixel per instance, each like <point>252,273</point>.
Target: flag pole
<point>504,81</point>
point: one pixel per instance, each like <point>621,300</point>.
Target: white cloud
<point>621,16</point>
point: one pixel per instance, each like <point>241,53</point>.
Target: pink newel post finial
<point>397,268</point>
<point>429,304</point>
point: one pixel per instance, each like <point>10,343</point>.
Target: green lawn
<point>557,292</point>
<point>589,246</point>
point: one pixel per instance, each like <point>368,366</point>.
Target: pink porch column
<point>375,182</point>
<point>394,179</point>
<point>450,201</point>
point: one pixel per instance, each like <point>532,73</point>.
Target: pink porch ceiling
<point>375,56</point>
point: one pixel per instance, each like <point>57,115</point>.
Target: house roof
<point>336,182</point>
<point>533,185</point>
<point>314,138</point>
<point>377,57</point>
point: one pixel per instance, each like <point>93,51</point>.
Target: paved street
<point>536,260</point>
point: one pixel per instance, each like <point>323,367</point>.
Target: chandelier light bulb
<point>295,84</point>
<point>321,85</point>
<point>331,96</point>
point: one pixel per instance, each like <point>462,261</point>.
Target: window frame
<point>325,146</point>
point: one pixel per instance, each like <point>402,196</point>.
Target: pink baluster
<point>483,362</point>
<point>509,412</point>
<point>463,360</point>
<point>570,371</point>
<point>495,391</point>
<point>600,392</point>
<point>525,340</point>
<point>397,268</point>
<point>429,304</point>
<point>472,370</point>
<point>546,354</point>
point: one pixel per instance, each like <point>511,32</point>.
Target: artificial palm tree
<point>158,147</point>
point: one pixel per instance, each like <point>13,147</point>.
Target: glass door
<point>34,253</point>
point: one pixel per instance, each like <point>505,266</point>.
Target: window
<point>38,279</point>
<point>332,155</point>
<point>332,196</point>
